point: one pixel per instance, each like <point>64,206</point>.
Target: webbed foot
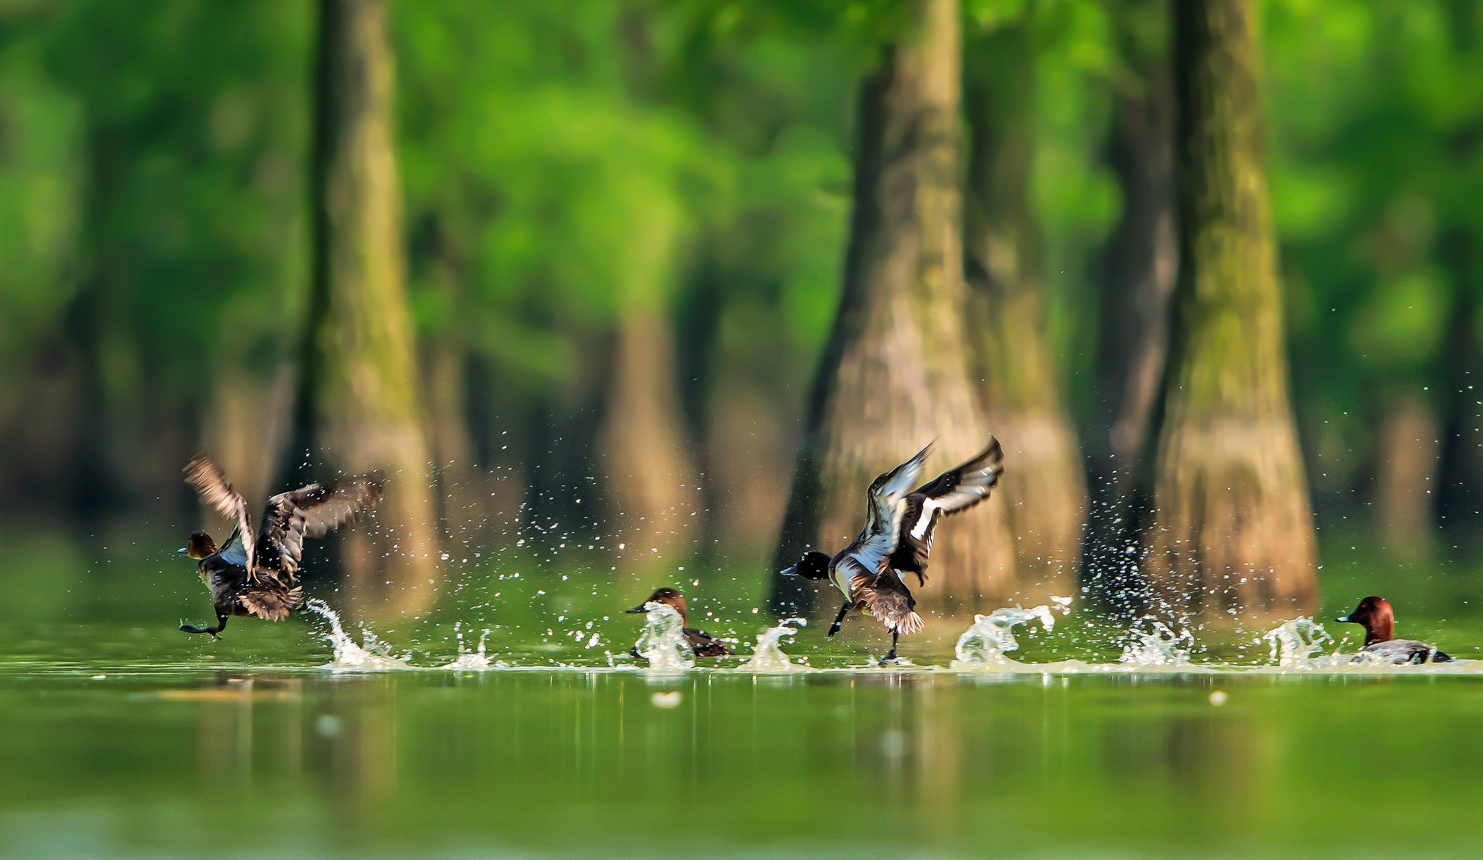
<point>190,628</point>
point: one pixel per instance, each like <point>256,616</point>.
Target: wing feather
<point>883,514</point>
<point>211,484</point>
<point>954,491</point>
<point>312,511</point>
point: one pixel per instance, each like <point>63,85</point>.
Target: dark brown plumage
<point>1378,619</point>
<point>256,573</point>
<point>897,538</point>
<point>700,641</point>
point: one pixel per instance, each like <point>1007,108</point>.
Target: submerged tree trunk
<point>358,405</point>
<point>654,502</point>
<point>894,375</point>
<point>1407,457</point>
<point>1232,530</point>
<point>1044,487</point>
<point>1139,268</point>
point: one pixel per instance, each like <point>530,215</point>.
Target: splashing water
<point>992,636</point>
<point>473,661</point>
<point>769,656</point>
<point>1151,642</point>
<point>1296,643</point>
<point>662,641</point>
<point>348,655</point>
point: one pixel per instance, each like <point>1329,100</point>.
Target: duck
<point>255,573</point>
<point>1378,619</point>
<point>702,643</point>
<point>897,539</point>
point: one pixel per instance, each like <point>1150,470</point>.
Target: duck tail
<point>887,598</point>
<point>273,605</point>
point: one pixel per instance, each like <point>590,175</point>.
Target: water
<point>662,642</point>
<point>504,726</point>
<point>768,657</point>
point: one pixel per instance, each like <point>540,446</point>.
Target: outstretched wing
<point>955,490</point>
<point>883,515</point>
<point>311,511</point>
<point>211,484</point>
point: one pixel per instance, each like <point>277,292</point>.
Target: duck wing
<point>211,484</point>
<point>311,511</point>
<point>889,600</point>
<point>869,551</point>
<point>955,490</point>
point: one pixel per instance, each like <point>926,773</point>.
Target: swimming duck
<point>897,538</point>
<point>700,642</point>
<point>255,573</point>
<point>1375,615</point>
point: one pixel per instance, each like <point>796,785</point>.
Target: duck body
<point>702,644</point>
<point>255,572</point>
<point>897,539</point>
<point>1375,614</point>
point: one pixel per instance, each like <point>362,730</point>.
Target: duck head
<point>813,565</point>
<point>669,597</point>
<point>198,546</point>
<point>1375,615</point>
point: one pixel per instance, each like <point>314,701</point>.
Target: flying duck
<point>256,573</point>
<point>897,538</point>
<point>700,642</point>
<point>1378,619</point>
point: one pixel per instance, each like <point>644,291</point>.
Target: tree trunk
<point>1139,268</point>
<point>894,375</point>
<point>1044,487</point>
<point>358,401</point>
<point>1232,530</point>
<point>1406,474</point>
<point>652,489</point>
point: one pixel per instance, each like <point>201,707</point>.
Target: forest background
<point>646,286</point>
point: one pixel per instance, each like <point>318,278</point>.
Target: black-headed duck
<point>1378,619</point>
<point>897,539</point>
<point>256,573</point>
<point>700,641</point>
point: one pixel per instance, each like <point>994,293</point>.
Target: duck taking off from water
<point>700,641</point>
<point>256,573</point>
<point>897,538</point>
<point>1378,619</point>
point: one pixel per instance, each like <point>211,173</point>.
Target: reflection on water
<point>262,763</point>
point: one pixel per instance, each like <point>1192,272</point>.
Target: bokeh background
<point>569,271</point>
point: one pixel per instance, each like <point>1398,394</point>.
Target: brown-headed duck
<point>1378,619</point>
<point>871,571</point>
<point>700,642</point>
<point>256,573</point>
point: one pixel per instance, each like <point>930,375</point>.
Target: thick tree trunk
<point>358,397</point>
<point>1045,488</point>
<point>1139,268</point>
<point>1232,530</point>
<point>894,376</point>
<point>653,496</point>
<point>1407,457</point>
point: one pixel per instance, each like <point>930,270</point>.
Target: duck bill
<point>183,550</point>
<point>792,571</point>
<point>1346,619</point>
<point>637,610</point>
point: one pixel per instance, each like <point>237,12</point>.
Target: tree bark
<point>1407,457</point>
<point>1045,487</point>
<point>1139,268</point>
<point>358,402</point>
<point>1232,531</point>
<point>894,375</point>
<point>652,489</point>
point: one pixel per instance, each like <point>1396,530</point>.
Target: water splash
<point>769,656</point>
<point>992,636</point>
<point>348,655</point>
<point>663,642</point>
<point>1296,643</point>
<point>1151,642</point>
<point>473,661</point>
